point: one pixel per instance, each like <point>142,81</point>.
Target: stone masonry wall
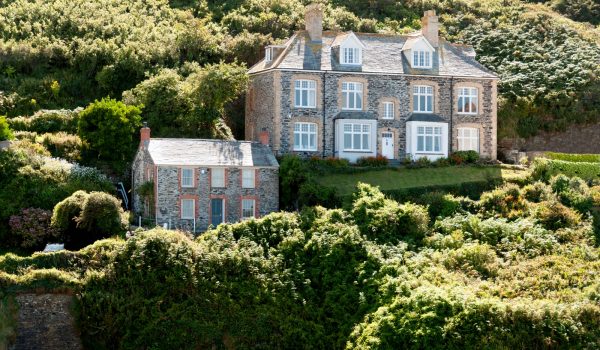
<point>170,193</point>
<point>379,88</point>
<point>141,163</point>
<point>261,108</point>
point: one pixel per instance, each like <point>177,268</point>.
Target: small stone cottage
<point>351,95</point>
<point>192,184</point>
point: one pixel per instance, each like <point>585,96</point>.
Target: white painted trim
<point>411,140</point>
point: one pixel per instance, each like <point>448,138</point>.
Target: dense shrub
<point>110,127</point>
<point>573,192</point>
<point>48,121</point>
<point>311,193</point>
<point>63,145</point>
<point>537,192</point>
<point>84,218</point>
<point>442,204</point>
<point>377,161</point>
<point>478,258</point>
<point>506,201</point>
<point>554,215</point>
<point>464,157</point>
<point>5,132</point>
<point>471,190</point>
<point>32,228</point>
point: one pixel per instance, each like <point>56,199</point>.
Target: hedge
<point>546,168</point>
<point>571,157</point>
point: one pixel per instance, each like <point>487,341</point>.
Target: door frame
<point>222,199</point>
<point>393,143</point>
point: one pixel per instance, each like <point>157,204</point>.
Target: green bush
<point>506,201</point>
<point>537,192</point>
<point>478,258</point>
<point>573,157</point>
<point>553,215</point>
<point>464,157</point>
<point>32,228</point>
<point>5,132</point>
<point>441,204</point>
<point>63,145</point>
<point>378,161</point>
<point>84,218</point>
<point>573,192</point>
<point>47,121</point>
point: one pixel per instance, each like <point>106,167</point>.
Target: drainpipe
<point>451,114</point>
<point>324,112</point>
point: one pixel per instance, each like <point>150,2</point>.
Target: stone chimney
<point>313,20</point>
<point>264,137</point>
<point>430,27</point>
<point>144,136</point>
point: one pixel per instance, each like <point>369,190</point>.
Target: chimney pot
<point>430,27</point>
<point>144,136</point>
<point>264,137</point>
<point>313,21</point>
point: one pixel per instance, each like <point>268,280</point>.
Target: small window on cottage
<point>423,99</point>
<point>217,177</point>
<point>248,208</point>
<point>352,96</point>
<point>468,100</point>
<point>305,137</point>
<point>187,177</point>
<point>248,178</point>
<point>388,110</point>
<point>421,59</point>
<point>187,209</point>
<point>468,139</point>
<point>305,93</point>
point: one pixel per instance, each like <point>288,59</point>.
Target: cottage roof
<point>382,54</point>
<point>197,152</point>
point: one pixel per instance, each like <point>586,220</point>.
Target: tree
<point>108,126</point>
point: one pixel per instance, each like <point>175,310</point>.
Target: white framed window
<point>217,177</point>
<point>187,177</point>
<point>352,96</point>
<point>188,208</point>
<point>423,99</point>
<point>248,208</point>
<point>305,137</point>
<point>248,178</point>
<point>357,137</point>
<point>268,54</point>
<point>468,100</point>
<point>305,93</point>
<point>351,55</point>
<point>388,110</point>
<point>422,59</point>
<point>468,139</point>
<point>429,139</point>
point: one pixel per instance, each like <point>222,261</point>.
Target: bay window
<point>429,139</point>
<point>357,137</point>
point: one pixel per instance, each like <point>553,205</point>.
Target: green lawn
<point>390,179</point>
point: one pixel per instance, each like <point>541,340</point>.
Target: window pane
<point>356,143</point>
<point>365,144</point>
<point>422,104</point>
<point>304,140</point>
<point>420,143</point>
<point>216,208</point>
<point>415,102</point>
<point>312,144</point>
<point>345,100</point>
<point>297,101</point>
<point>437,142</point>
<point>218,177</point>
<point>248,178</point>
<point>358,100</point>
<point>429,103</point>
<point>428,143</point>
<point>347,140</point>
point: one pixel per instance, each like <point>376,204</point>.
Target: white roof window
<point>351,49</point>
<point>268,54</point>
<point>419,52</point>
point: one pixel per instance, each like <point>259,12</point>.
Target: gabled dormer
<point>272,52</point>
<point>351,49</point>
<point>419,52</point>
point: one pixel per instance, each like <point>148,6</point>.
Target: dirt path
<point>45,322</point>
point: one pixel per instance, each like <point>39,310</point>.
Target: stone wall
<point>261,107</point>
<point>170,194</point>
<point>377,88</point>
<point>576,139</point>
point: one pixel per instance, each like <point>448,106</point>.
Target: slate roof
<point>383,54</point>
<point>195,152</point>
<point>426,117</point>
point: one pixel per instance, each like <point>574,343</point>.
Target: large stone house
<point>350,95</point>
<point>198,183</point>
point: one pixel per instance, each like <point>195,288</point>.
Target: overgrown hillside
<point>66,53</point>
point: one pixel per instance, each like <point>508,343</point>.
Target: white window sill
<point>424,112</point>
<point>187,218</point>
<point>304,150</point>
<point>430,153</point>
<point>388,118</point>
<point>423,67</point>
<point>350,64</point>
<point>352,109</point>
<point>357,151</point>
<point>464,113</point>
<point>187,186</point>
<point>306,107</point>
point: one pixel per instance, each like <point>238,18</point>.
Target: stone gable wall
<point>261,107</point>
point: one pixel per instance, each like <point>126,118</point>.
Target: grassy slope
<point>389,179</point>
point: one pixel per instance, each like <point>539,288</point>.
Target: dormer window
<point>351,55</point>
<point>421,59</point>
<point>268,54</point>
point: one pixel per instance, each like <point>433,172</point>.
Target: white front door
<point>387,145</point>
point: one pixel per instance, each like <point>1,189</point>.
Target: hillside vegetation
<point>66,54</point>
<point>516,269</point>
